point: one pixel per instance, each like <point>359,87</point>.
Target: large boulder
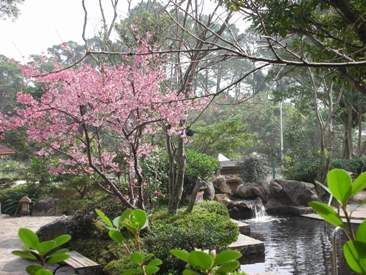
<point>209,191</point>
<point>251,191</point>
<point>45,207</point>
<point>220,185</point>
<point>238,209</point>
<point>290,197</point>
<point>79,226</point>
<point>63,225</point>
<point>233,181</point>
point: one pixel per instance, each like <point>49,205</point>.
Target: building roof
<point>229,163</point>
<point>5,151</point>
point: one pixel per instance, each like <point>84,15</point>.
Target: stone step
<point>244,228</point>
<point>317,217</point>
<point>247,245</point>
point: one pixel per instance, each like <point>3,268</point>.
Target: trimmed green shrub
<point>200,165</point>
<point>199,229</point>
<point>356,165</point>
<point>212,207</point>
<point>252,169</point>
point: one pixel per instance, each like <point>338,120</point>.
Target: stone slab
<point>9,241</point>
<point>244,228</point>
<point>247,245</point>
<point>317,217</point>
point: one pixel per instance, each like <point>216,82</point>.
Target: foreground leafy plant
<point>342,188</point>
<point>44,253</point>
<point>199,262</point>
<point>132,221</point>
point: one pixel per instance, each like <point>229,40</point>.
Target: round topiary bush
<point>200,229</point>
<point>252,169</point>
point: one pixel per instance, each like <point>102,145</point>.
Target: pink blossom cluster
<point>89,116</point>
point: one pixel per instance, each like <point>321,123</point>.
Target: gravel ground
<point>10,264</point>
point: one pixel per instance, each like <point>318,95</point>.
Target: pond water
<point>294,245</point>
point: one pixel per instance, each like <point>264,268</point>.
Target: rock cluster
<point>286,197</point>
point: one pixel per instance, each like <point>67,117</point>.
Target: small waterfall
<point>258,210</point>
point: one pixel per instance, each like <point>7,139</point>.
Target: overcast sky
<point>44,23</point>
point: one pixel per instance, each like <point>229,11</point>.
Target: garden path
<point>9,241</point>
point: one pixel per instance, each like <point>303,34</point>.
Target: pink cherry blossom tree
<point>95,120</point>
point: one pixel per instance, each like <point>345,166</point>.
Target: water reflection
<point>295,246</point>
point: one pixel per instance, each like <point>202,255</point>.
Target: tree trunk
<point>140,182</point>
<point>176,188</point>
<point>359,141</point>
<point>199,184</point>
<point>348,145</point>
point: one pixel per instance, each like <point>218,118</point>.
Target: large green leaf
<point>340,185</point>
<point>359,184</point>
<point>38,270</point>
<point>32,269</point>
<point>227,256</point>
<point>139,217</point>
<point>137,258</point>
<point>62,239</point>
<point>116,236</point>
<point>227,267</point>
<point>43,271</point>
<point>24,254</point>
<point>57,258</point>
<point>156,261</point>
<point>151,269</point>
<point>188,271</point>
<point>132,271</point>
<point>104,218</point>
<point>46,246</point>
<point>355,255</point>
<point>125,214</point>
<point>28,237</point>
<point>361,232</point>
<point>327,213</point>
<point>116,222</point>
<point>181,254</point>
<point>200,260</point>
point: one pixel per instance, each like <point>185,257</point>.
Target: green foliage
<point>199,262</point>
<point>200,165</point>
<point>133,221</point>
<point>155,167</point>
<point>303,170</point>
<point>228,136</point>
<point>46,252</point>
<point>327,213</point>
<point>212,207</point>
<point>11,170</point>
<point>342,188</point>
<point>38,171</point>
<point>340,185</point>
<point>199,229</point>
<point>355,165</point>
<point>252,169</point>
<point>355,250</point>
<point>10,197</point>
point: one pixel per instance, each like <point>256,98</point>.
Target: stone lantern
<point>24,206</point>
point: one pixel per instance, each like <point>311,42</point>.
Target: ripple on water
<point>294,246</point>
